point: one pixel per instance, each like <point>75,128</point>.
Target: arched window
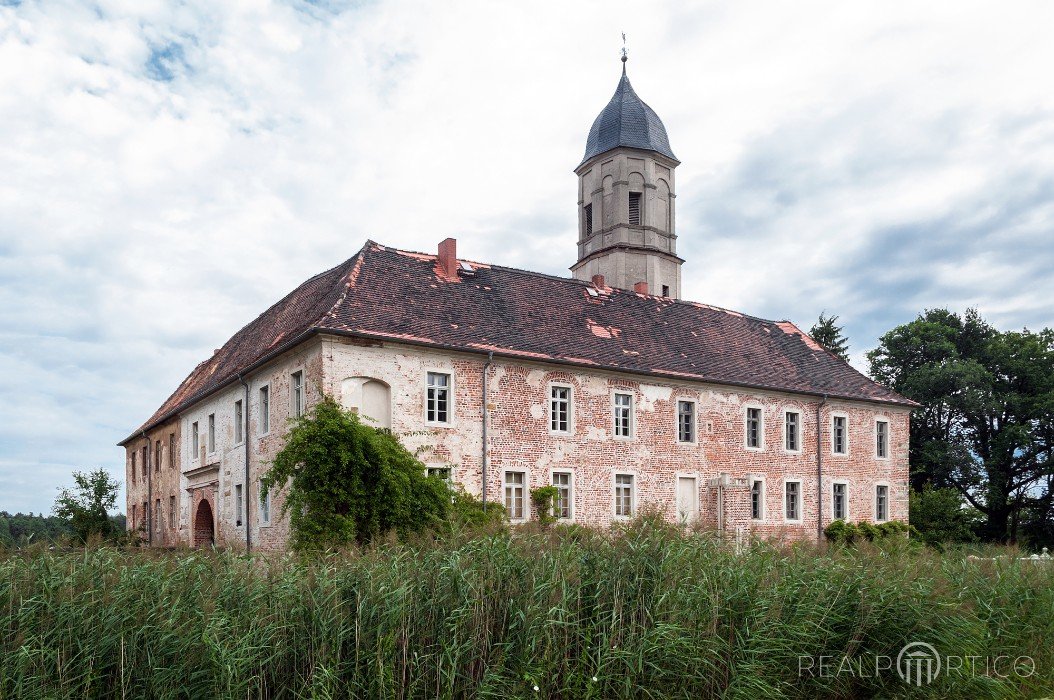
<point>370,398</point>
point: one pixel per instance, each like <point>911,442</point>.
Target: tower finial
<point>624,56</point>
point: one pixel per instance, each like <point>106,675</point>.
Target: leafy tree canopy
<point>830,336</point>
<point>346,482</point>
<point>86,507</point>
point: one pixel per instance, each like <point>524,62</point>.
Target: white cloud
<point>169,170</point>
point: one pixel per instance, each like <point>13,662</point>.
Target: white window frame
<point>239,505</point>
<point>800,435</point>
<point>210,437</point>
<point>840,482</point>
<point>570,493</point>
<point>845,417</point>
<point>874,503</point>
<point>435,469</point>
<point>296,392</point>
<point>677,421</point>
<point>526,514</point>
<point>264,507</point>
<point>195,442</point>
<point>263,411</point>
<point>761,427</point>
<point>449,397</point>
<point>801,501</point>
<point>634,487</point>
<point>882,419</point>
<point>761,498</point>
<point>239,424</point>
<point>632,414</point>
<point>570,408</point>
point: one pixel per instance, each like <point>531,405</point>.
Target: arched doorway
<point>204,534</point>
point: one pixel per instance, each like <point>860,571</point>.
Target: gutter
<point>819,469</point>
<point>486,372</point>
<point>245,441</point>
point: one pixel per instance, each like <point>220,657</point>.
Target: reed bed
<point>650,612</point>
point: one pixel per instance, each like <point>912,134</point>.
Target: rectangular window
<point>146,516</point>
<point>792,492</point>
<point>560,409</point>
<point>135,515</point>
<point>881,503</point>
<point>157,515</point>
<point>686,421</point>
<point>757,499</point>
<point>195,440</point>
<point>146,468</point>
<point>171,512</point>
<point>238,417</point>
<point>438,398</point>
<point>133,465</point>
<point>442,472</point>
<point>839,502</point>
<point>838,435</point>
<point>634,209</point>
<point>624,495</point>
<point>264,422</point>
<point>623,410</point>
<point>514,495</point>
<point>297,393</point>
<point>587,219</point>
<point>265,509</point>
<point>157,456</point>
<point>792,431</point>
<point>172,461</point>
<point>562,506</point>
<point>212,433</point>
<point>754,428</point>
<point>238,505</point>
<point>881,439</point>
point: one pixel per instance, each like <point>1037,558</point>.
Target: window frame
<point>171,512</point>
<point>195,441</point>
<point>886,442</point>
<point>698,513</point>
<point>172,464</point>
<point>834,417</point>
<point>239,505</point>
<point>525,505</point>
<point>239,417</point>
<point>297,394</point>
<point>762,493</point>
<point>587,219</point>
<point>570,408</point>
<point>449,373</point>
<point>264,505</point>
<point>570,473</point>
<point>695,421</point>
<point>632,414</point>
<point>263,411</point>
<point>434,469</point>
<point>800,498</point>
<point>834,514</point>
<point>210,434</point>
<point>878,485</point>
<point>640,208</point>
<point>760,447</point>
<point>799,436</point>
<point>614,494</point>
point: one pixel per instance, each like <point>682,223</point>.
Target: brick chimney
<point>448,257</point>
<point>598,281</point>
<point>641,287</point>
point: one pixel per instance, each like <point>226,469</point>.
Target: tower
<point>626,221</point>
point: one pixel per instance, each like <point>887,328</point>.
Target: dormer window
<point>634,209</point>
<point>587,219</point>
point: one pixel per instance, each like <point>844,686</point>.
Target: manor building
<point>606,385</point>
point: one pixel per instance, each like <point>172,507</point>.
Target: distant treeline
<point>19,529</point>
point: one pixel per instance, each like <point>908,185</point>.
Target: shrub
<point>544,500</point>
<point>842,532</point>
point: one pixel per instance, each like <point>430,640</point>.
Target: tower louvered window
<point>587,220</point>
<point>634,209</point>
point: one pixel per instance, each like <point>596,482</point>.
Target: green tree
<point>985,424</point>
<point>346,482</point>
<point>87,506</point>
<point>940,516</point>
<point>830,336</point>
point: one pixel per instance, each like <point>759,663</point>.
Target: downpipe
<point>486,374</point>
<point>819,469</point>
<point>245,440</point>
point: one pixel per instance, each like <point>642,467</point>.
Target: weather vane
<point>624,57</point>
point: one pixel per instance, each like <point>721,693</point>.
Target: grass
<point>647,613</point>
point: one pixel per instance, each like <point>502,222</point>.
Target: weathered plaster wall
<point>159,480</point>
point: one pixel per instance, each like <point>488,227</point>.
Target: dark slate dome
<point>627,121</point>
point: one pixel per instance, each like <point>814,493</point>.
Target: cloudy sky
<point>170,169</point>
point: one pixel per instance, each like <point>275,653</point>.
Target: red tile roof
<point>389,294</point>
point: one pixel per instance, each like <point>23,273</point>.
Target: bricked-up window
<point>195,445</point>
<point>562,506</point>
<point>238,418</point>
<point>157,455</point>
<point>172,463</point>
<point>265,509</point>
<point>212,433</point>
<point>238,504</point>
<point>587,219</point>
<point>840,501</point>
<point>634,209</point>
<point>757,499</point>
<point>881,503</point>
<point>624,495</point>
<point>263,423</point>
<point>623,410</point>
<point>792,431</point>
<point>792,500</point>
<point>296,393</point>
<point>754,428</point>
<point>881,439</point>
<point>686,421</point>
<point>514,495</point>
<point>838,436</point>
<point>437,409</point>
<point>560,409</point>
<point>171,512</point>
